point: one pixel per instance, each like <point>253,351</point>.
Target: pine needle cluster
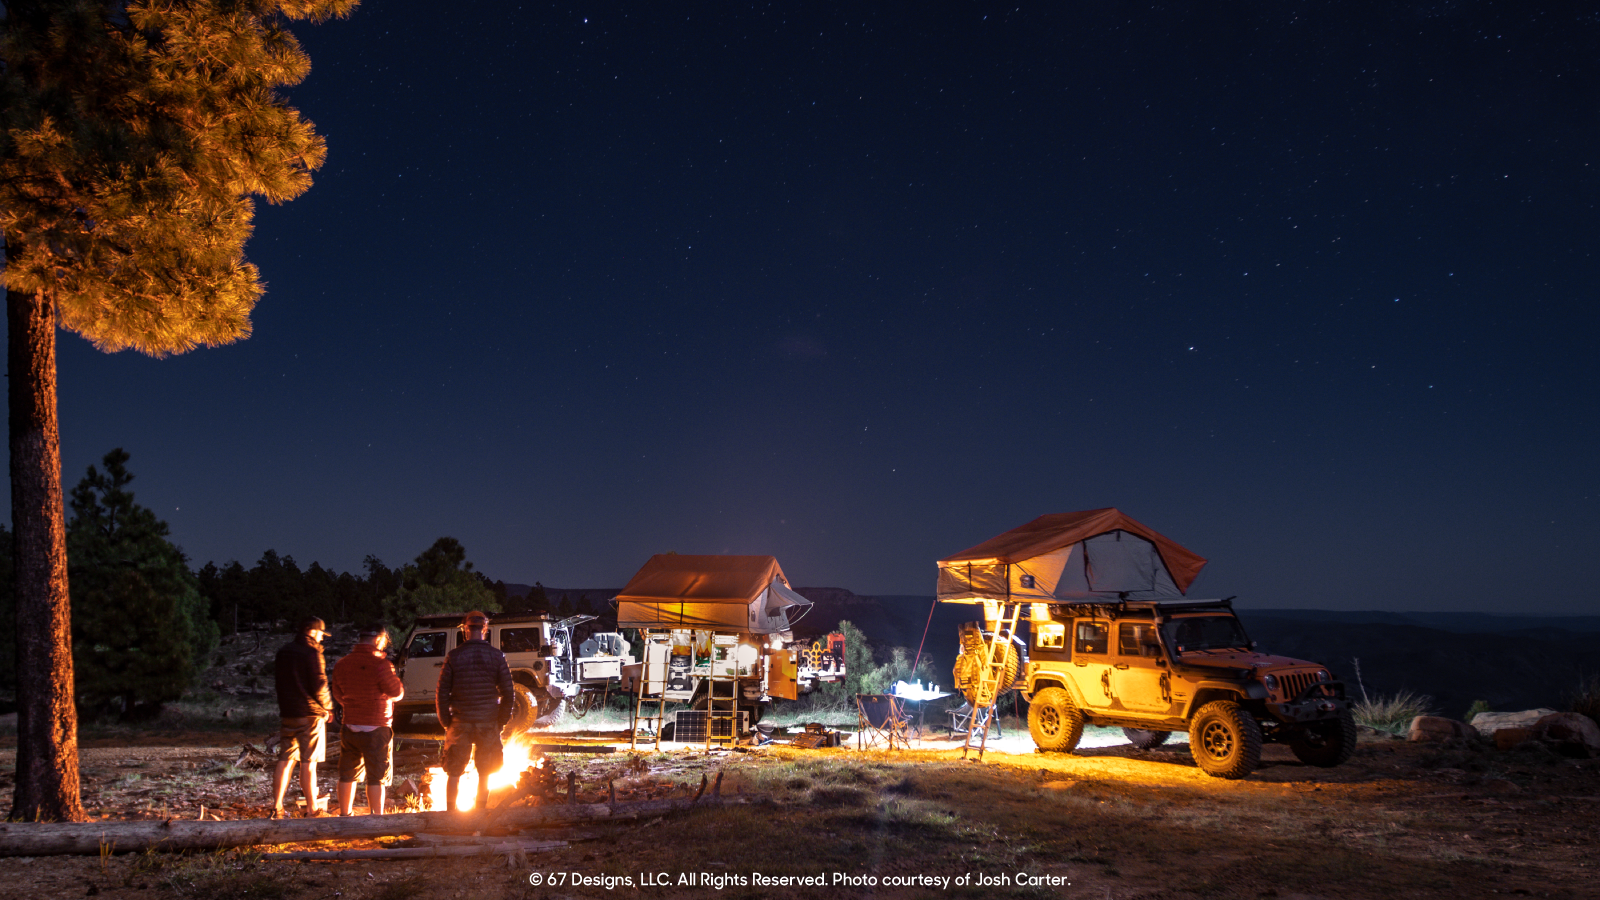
<point>134,140</point>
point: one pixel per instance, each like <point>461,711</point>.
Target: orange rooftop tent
<point>1099,554</point>
<point>742,594</point>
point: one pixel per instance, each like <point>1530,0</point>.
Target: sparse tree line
<point>144,625</point>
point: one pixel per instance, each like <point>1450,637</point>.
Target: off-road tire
<point>1054,721</point>
<point>1225,740</point>
<point>1144,738</point>
<point>523,706</point>
<point>1327,743</point>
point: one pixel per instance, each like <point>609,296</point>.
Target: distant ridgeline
<point>1512,662</point>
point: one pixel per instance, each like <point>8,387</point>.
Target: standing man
<point>304,704</point>
<point>364,683</point>
<point>474,702</point>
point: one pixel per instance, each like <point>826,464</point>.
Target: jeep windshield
<point>1204,633</point>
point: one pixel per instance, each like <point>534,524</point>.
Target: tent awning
<point>743,594</point>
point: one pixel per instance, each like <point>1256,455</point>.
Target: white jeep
<point>551,676</point>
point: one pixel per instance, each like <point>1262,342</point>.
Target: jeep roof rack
<point>1156,606</point>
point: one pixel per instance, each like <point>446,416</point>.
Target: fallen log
<point>66,838</point>
<point>423,852</point>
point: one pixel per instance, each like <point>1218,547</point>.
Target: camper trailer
<point>718,637</point>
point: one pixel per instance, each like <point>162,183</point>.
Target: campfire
<point>525,771</point>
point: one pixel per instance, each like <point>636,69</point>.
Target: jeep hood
<point>1243,659</point>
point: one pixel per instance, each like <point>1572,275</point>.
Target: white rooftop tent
<point>1098,554</point>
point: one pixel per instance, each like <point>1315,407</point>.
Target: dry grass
<point>1393,713</point>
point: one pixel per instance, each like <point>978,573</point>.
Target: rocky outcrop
<point>1511,738</point>
<point>1487,723</point>
<point>1570,734</point>
<point>1437,729</point>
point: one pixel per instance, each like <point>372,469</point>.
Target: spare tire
<point>974,657</point>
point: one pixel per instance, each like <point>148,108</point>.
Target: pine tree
<point>140,627</point>
<point>441,580</point>
<point>134,137</point>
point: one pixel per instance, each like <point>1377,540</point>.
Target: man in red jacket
<point>364,683</point>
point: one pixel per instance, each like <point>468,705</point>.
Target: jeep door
<point>1138,681</point>
<point>424,658</point>
<point>1091,662</point>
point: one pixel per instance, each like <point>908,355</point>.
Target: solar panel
<point>689,725</point>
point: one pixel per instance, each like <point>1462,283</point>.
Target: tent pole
<point>924,640</point>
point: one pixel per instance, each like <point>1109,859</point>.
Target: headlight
<point>1271,681</point>
<point>1322,675</point>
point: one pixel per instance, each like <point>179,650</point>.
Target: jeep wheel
<point>1144,739</point>
<point>522,706</point>
<point>1225,740</point>
<point>1327,743</point>
<point>1054,720</point>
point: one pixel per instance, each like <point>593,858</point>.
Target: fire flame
<point>519,757</point>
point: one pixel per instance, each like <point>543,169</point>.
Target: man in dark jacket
<point>474,703</point>
<point>366,687</point>
<point>304,705</point>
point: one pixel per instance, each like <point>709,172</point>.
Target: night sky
<point>1309,288</point>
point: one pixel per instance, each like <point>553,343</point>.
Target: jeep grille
<point>1296,683</point>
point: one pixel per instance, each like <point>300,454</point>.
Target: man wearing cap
<point>474,703</point>
<point>304,704</point>
<point>364,683</point>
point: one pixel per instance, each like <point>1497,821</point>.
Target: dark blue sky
<point>1307,287</point>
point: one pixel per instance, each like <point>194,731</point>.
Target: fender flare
<point>1043,679</point>
<point>1207,691</point>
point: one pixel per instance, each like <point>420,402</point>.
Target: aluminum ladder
<point>987,692</point>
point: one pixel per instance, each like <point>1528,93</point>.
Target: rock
<point>1501,786</point>
<point>1507,738</point>
<point>1570,734</point>
<point>1487,723</point>
<point>1368,733</point>
<point>1436,729</point>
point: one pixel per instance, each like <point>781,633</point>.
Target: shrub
<point>1478,706</point>
<point>1392,713</point>
<point>1586,699</point>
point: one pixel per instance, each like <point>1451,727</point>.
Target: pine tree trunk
<point>47,718</point>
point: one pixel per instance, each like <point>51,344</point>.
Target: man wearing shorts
<point>364,683</point>
<point>304,704</point>
<point>474,703</point>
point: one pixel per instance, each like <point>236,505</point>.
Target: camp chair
<point>961,720</point>
<point>880,718</point>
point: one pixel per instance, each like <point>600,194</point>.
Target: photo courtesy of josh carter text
<point>716,881</point>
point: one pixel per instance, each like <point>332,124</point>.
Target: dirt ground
<point>1110,821</point>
